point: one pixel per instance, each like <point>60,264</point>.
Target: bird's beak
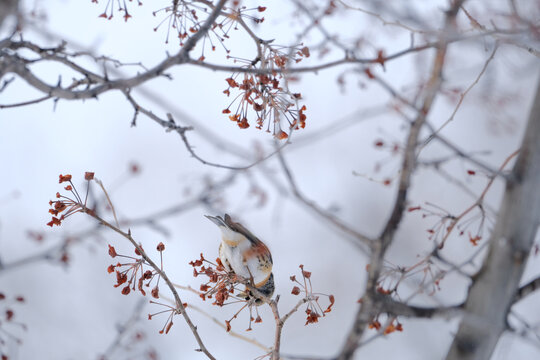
<point>216,220</point>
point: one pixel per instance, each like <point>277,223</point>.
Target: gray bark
<point>494,287</point>
<point>7,7</point>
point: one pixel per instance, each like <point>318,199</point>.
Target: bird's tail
<point>218,220</point>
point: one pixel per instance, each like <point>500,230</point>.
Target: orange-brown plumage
<point>246,255</point>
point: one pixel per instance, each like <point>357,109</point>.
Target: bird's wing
<point>259,246</point>
<point>241,229</point>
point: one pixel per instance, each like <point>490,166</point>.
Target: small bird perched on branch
<point>243,253</point>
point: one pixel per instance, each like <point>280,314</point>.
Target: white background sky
<point>71,311</point>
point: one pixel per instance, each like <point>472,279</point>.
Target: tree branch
<point>14,64</point>
<point>527,289</point>
<point>360,239</point>
<point>179,305</point>
<point>369,307</point>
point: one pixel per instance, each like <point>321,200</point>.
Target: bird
<point>244,254</point>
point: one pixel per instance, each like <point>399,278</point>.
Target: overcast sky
<point>71,311</point>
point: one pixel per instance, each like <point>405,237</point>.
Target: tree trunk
<point>7,7</point>
<point>493,288</point>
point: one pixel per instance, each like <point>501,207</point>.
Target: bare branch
<point>123,329</point>
<point>477,203</point>
<point>170,125</point>
<point>527,289</point>
<point>368,308</point>
<point>14,64</point>
<point>463,95</point>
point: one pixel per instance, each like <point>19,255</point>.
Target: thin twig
<point>217,321</point>
<point>360,240</point>
<point>108,200</point>
<point>122,329</point>
<point>478,202</point>
<point>170,125</point>
<point>462,97</point>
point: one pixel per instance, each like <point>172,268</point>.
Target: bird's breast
<point>234,255</point>
<point>245,262</point>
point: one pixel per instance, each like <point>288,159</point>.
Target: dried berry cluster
<point>427,277</point>
<point>221,286</point>
<point>426,274</point>
<point>132,274</point>
<point>393,325</point>
<point>66,204</point>
<point>181,18</point>
<point>266,95</point>
<point>313,309</point>
<point>264,90</point>
<point>169,309</point>
<point>8,323</point>
<point>108,12</point>
<point>184,18</point>
<point>446,222</point>
<point>137,272</point>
